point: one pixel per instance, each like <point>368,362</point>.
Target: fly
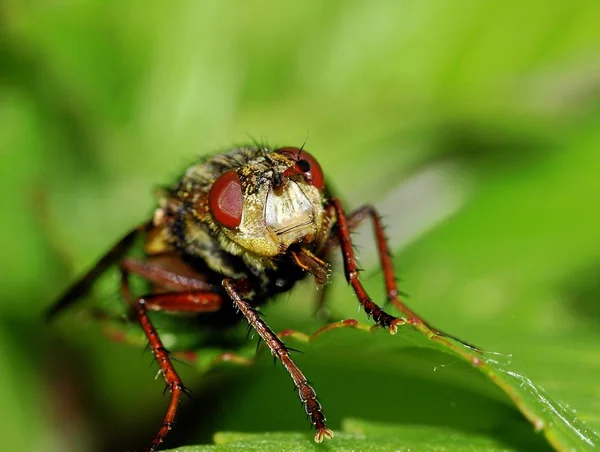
<point>235,230</point>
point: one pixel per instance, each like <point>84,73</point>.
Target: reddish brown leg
<point>189,301</point>
<point>236,290</point>
<point>165,278</point>
<point>303,337</point>
<point>115,330</point>
<point>319,268</point>
<point>385,259</point>
<point>351,270</point>
<point>83,286</point>
<point>170,280</point>
<point>320,308</point>
<point>354,220</point>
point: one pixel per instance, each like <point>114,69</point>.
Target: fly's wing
<point>83,286</point>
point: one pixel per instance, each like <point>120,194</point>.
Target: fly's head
<point>257,202</point>
<point>270,203</point>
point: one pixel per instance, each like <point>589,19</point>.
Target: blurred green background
<point>474,126</point>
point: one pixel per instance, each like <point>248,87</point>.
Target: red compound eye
<point>315,172</point>
<point>225,199</point>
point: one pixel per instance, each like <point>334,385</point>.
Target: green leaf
<point>357,435</point>
<point>461,374</point>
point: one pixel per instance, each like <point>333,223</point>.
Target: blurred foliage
<point>102,101</point>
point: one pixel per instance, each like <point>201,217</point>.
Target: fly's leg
<point>165,278</point>
<point>223,358</point>
<point>321,310</point>
<point>306,338</point>
<point>319,268</point>
<point>172,379</point>
<point>236,290</point>
<point>117,330</point>
<point>351,271</point>
<point>115,327</point>
<point>188,301</point>
<point>385,259</point>
<point>82,287</point>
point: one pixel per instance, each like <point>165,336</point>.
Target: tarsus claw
<point>322,433</point>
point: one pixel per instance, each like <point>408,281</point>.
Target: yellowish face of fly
<point>269,204</point>
<point>275,218</point>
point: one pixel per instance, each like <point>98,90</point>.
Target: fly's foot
<point>323,433</point>
<point>394,324</point>
<point>387,321</point>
